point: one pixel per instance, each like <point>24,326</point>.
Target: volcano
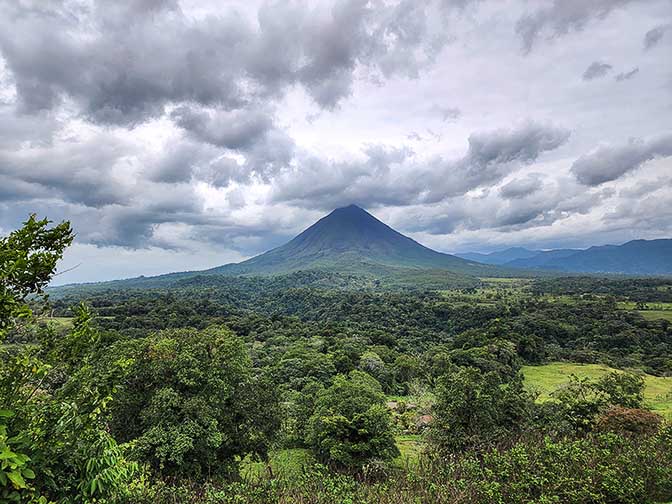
<point>351,239</point>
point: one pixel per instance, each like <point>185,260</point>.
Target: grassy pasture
<point>656,314</point>
<point>654,310</point>
<point>288,464</point>
<point>547,378</point>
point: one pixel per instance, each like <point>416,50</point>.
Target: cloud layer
<point>196,133</point>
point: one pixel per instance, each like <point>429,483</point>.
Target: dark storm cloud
<point>654,36</point>
<point>82,172</point>
<point>595,70</point>
<point>123,62</point>
<point>627,75</point>
<point>561,17</point>
<point>609,163</point>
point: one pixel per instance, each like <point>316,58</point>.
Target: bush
<point>629,421</point>
<point>475,409</point>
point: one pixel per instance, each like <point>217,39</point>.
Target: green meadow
<point>547,378</point>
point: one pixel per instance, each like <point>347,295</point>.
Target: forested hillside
<point>321,387</point>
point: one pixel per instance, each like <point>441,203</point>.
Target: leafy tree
<point>28,258</point>
<point>351,424</point>
<point>299,406</point>
<point>475,409</point>
<point>53,442</point>
<point>580,403</point>
<point>191,406</point>
<point>622,389</point>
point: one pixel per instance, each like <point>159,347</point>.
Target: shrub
<point>629,421</point>
<point>475,409</point>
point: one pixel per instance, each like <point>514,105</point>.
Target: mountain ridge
<point>635,257</point>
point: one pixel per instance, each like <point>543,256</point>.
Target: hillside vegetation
<point>321,387</point>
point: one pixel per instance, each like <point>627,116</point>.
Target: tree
<point>28,258</point>
<point>53,441</point>
<point>351,424</point>
<point>191,406</point>
<point>475,409</point>
<point>622,389</point>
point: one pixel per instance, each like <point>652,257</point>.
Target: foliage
<point>351,425</point>
<point>28,258</point>
<point>156,390</point>
<point>629,421</point>
<point>476,409</point>
<point>190,404</point>
<point>622,389</point>
<point>599,468</point>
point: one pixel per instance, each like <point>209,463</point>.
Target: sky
<point>182,135</point>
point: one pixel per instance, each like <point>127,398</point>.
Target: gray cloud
<point>609,163</point>
<point>82,172</point>
<point>654,36</point>
<point>237,129</point>
<point>521,187</point>
<point>448,113</point>
<point>627,75</point>
<point>398,177</point>
<point>596,69</point>
<point>562,17</point>
<point>557,201</point>
<point>523,144</point>
<point>124,63</point>
<point>182,125</point>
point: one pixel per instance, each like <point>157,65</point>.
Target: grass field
<point>654,311</point>
<point>288,464</point>
<point>61,322</point>
<point>631,305</point>
<point>285,464</point>
<point>656,314</point>
<point>545,379</point>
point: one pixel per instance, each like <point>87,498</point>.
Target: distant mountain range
<point>500,256</point>
<point>637,257</point>
<point>351,241</point>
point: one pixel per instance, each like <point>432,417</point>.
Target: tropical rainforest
<point>320,386</point>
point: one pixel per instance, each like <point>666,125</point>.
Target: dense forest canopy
<point>217,389</point>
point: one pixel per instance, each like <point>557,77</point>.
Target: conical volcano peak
<point>351,211</point>
<point>351,239</point>
<point>350,235</point>
<point>352,208</point>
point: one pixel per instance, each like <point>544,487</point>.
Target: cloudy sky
<point>181,135</point>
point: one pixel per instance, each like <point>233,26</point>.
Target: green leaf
<point>16,478</point>
<point>28,473</point>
